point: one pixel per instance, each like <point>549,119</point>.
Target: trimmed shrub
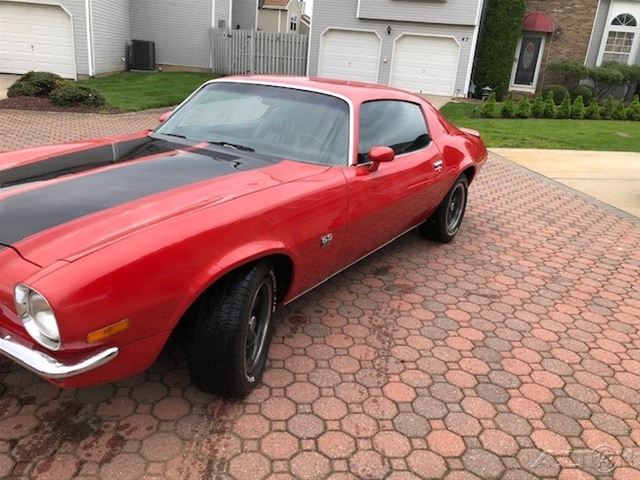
<point>558,92</point>
<point>22,89</point>
<point>38,84</point>
<point>633,112</point>
<point>593,110</point>
<point>489,108</point>
<point>583,91</point>
<point>567,72</point>
<point>577,109</point>
<point>508,109</point>
<point>606,109</point>
<point>502,29</point>
<point>549,107</point>
<point>619,111</point>
<point>71,94</point>
<point>524,108</point>
<point>537,111</point>
<point>564,110</point>
<point>605,78</point>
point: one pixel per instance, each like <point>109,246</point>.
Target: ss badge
<point>326,240</point>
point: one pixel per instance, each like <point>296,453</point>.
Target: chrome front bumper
<point>47,366</point>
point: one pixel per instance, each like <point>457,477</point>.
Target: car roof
<point>355,91</point>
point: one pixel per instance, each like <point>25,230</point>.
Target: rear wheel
<point>229,332</point>
<point>444,224</point>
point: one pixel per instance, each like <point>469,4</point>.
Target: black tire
<point>218,334</point>
<point>442,226</point>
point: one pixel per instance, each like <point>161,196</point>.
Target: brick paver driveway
<point>512,353</point>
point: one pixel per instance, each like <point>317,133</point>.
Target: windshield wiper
<point>174,135</point>
<point>233,145</point>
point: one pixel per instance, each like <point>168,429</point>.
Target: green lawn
<point>553,134</point>
<point>140,91</point>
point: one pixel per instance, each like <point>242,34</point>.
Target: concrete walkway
<point>6,81</point>
<point>613,177</point>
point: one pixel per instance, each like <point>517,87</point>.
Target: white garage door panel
<point>350,55</point>
<point>425,64</point>
<point>36,37</point>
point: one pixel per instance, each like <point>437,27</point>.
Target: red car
<point>249,194</point>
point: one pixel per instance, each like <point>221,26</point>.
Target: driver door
<point>400,194</point>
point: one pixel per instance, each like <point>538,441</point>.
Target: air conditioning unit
<point>142,55</point>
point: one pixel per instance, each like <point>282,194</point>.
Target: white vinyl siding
<point>36,37</point>
<point>222,13</point>
<point>458,12</point>
<point>244,14</point>
<point>360,61</point>
<point>111,34</point>
<point>425,64</point>
<point>599,27</point>
<point>179,28</point>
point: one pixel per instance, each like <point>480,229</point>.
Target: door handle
<point>438,165</point>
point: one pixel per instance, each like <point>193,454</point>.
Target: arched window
<point>620,41</point>
<point>625,20</point>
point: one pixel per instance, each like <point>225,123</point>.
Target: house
<point>282,16</point>
<point>424,46</point>
<point>592,32</point>
<point>80,38</point>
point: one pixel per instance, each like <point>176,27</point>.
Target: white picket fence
<point>236,52</point>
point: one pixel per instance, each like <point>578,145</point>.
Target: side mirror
<point>163,118</point>
<point>381,154</point>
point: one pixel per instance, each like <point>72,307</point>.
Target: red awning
<point>538,22</point>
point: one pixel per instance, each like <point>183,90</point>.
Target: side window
<point>391,123</point>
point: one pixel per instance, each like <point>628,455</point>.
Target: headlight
<point>37,317</point>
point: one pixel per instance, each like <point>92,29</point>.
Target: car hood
<point>68,204</point>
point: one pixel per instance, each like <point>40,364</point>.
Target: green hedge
<point>70,94</point>
<point>497,46</point>
<point>34,84</point>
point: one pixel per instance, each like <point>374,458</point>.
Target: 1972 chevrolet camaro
<point>250,193</point>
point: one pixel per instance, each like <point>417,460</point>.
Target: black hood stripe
<point>90,158</point>
<point>33,211</point>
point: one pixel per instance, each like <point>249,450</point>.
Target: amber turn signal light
<point>108,331</point>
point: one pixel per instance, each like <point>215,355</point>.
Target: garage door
<point>36,37</point>
<point>425,64</point>
<point>350,55</point>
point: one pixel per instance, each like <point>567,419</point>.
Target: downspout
<point>90,44</point>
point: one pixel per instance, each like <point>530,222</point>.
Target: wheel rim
<point>455,209</point>
<point>258,328</point>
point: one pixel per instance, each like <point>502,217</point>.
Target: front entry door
<point>527,66</point>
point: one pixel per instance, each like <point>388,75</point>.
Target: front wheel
<point>445,223</point>
<point>229,333</point>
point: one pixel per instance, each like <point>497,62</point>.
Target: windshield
<point>278,122</point>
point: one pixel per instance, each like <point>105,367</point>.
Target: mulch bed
<point>43,104</point>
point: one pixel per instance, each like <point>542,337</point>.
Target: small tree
<point>549,107</point>
<point>502,29</point>
<point>577,109</point>
<point>593,110</point>
<point>606,110</point>
<point>524,108</point>
<point>564,110</point>
<point>508,109</point>
<point>633,112</point>
<point>619,111</point>
<point>489,108</point>
<point>538,107</point>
